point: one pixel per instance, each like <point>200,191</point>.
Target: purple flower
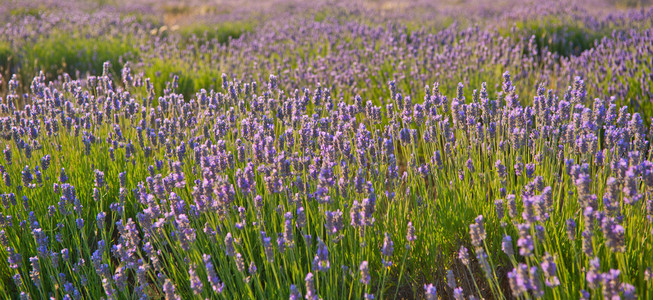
<point>477,231</point>
<point>410,233</point>
<point>629,292</point>
<point>614,234</point>
<point>430,292</point>
<point>288,235</point>
<point>463,255</point>
<point>213,278</point>
<point>571,229</point>
<point>321,261</point>
<point>14,259</point>
<point>41,241</point>
<point>525,241</point>
<point>365,273</point>
<point>470,165</point>
<point>100,220</point>
<point>195,282</point>
<point>311,293</point>
<point>240,263</point>
<point>229,245</point>
<point>437,159</point>
<point>62,176</point>
<point>334,221</point>
<point>611,284</point>
<point>267,247</point>
<point>530,170</point>
<point>593,275</point>
<point>185,233</point>
<point>120,278</point>
<point>451,279</point>
<point>501,169</point>
<point>99,179</point>
<point>524,280</point>
<point>169,290</point>
<point>387,250</point>
<point>8,155</point>
<point>588,248</point>
<point>127,248</point>
<point>295,294</point>
<point>458,294</point>
<point>549,267</point>
<point>367,211</point>
<point>498,204</point>
<point>27,176</point>
<point>519,166</point>
<point>35,274</point>
<point>512,206</point>
<point>506,245</point>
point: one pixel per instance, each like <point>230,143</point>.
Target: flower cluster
<point>144,183</point>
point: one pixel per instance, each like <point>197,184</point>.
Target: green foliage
<point>191,79</point>
<point>321,15</point>
<point>441,204</point>
<point>63,53</point>
<point>630,3</point>
<point>26,11</point>
<point>564,37</point>
<point>222,32</point>
<point>176,9</point>
<point>6,59</point>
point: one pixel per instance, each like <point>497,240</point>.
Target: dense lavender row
<point>354,55</point>
<point>353,51</point>
<point>255,192</point>
<point>351,151</point>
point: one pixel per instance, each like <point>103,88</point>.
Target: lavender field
<point>283,149</point>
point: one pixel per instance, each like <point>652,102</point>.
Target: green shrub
<point>6,59</point>
<point>190,81</point>
<point>630,3</point>
<point>222,32</point>
<point>63,53</point>
<point>564,37</point>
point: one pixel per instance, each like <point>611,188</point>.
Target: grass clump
<point>190,78</point>
<point>222,33</point>
<point>63,53</point>
<point>566,38</point>
<point>6,59</point>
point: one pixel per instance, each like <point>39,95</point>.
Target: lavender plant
<point>359,167</point>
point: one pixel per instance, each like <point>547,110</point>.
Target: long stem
<point>401,273</point>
